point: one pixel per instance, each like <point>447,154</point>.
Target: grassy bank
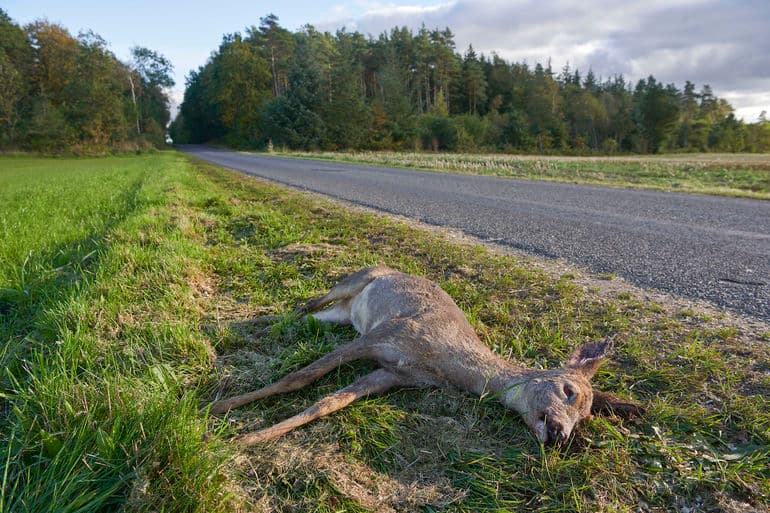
<point>100,343</point>
<point>738,175</point>
<point>127,289</point>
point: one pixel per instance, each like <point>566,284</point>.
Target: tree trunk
<point>136,108</point>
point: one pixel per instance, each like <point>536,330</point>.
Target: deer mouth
<point>555,432</point>
<point>550,431</point>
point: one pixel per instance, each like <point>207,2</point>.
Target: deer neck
<point>508,382</point>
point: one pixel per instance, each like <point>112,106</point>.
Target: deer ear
<point>587,358</point>
<point>608,403</point>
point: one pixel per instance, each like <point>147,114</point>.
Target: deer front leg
<point>374,383</point>
<point>298,379</point>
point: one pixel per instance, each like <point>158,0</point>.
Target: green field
<point>743,175</point>
<point>126,289</point>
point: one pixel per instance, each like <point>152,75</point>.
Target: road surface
<point>701,247</point>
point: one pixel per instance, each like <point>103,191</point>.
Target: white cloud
<point>363,15</point>
<point>175,98</point>
<point>749,104</point>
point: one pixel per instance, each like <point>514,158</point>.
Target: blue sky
<point>725,43</point>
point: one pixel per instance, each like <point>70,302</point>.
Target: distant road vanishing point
<point>700,247</point>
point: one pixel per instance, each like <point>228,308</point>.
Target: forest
<point>407,90</point>
<point>60,93</point>
<point>310,90</point>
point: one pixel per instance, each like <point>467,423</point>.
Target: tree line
<point>407,90</point>
<point>64,93</point>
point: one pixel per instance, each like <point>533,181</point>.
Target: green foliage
<point>154,71</point>
<point>47,130</point>
<point>373,93</point>
<point>11,93</point>
<point>437,132</point>
<point>656,113</point>
<point>473,132</point>
<point>275,45</point>
<point>345,113</point>
<point>155,68</point>
<point>61,94</point>
<point>474,82</point>
<point>543,107</point>
<point>225,98</point>
<point>93,99</point>
<point>199,119</point>
<point>292,119</point>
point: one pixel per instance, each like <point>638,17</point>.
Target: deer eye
<point>569,392</point>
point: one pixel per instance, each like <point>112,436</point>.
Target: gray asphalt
<point>701,247</point>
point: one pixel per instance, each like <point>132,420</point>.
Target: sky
<point>722,43</point>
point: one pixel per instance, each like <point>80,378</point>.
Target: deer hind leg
<point>342,292</point>
<point>345,289</point>
<point>301,378</point>
<point>339,313</point>
<point>374,383</point>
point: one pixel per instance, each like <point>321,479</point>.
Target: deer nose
<point>555,431</point>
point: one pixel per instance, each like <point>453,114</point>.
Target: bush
<point>48,130</point>
<point>473,132</point>
<point>437,132</point>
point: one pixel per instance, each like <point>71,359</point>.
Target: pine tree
<point>292,119</point>
<point>657,109</point>
<point>276,45</point>
<point>474,81</point>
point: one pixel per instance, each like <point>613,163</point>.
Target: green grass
<point>126,289</point>
<point>100,340</point>
<point>738,175</point>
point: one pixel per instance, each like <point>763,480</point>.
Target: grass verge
<point>736,175</point>
<point>99,340</point>
<point>127,289</point>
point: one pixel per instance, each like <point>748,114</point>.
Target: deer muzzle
<point>555,433</point>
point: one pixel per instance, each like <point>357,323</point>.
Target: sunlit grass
<point>98,337</point>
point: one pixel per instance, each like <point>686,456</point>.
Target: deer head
<point>552,402</point>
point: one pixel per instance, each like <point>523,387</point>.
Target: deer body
<point>418,336</point>
<point>423,337</point>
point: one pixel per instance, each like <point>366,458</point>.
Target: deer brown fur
<point>418,336</point>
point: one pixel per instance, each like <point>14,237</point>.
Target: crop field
<point>127,286</point>
<point>741,175</point>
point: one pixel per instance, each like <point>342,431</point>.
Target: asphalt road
<point>702,247</point>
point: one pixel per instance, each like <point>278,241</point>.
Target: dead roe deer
<point>419,336</point>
